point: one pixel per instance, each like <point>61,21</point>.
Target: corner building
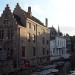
<point>23,38</point>
<point>34,37</point>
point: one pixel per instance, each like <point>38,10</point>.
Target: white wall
<point>58,47</point>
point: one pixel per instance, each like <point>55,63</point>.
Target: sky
<point>59,12</point>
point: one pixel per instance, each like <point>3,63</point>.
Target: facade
<point>58,47</point>
<point>72,51</point>
<point>68,43</point>
<point>9,42</point>
<point>72,44</point>
<point>23,39</point>
<point>34,36</point>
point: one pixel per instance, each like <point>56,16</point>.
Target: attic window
<point>6,16</point>
<point>6,21</point>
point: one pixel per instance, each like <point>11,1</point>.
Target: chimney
<point>29,11</point>
<point>46,22</point>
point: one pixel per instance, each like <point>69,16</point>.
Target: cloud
<point>37,9</point>
<point>60,12</point>
<point>68,29</point>
<point>0,13</point>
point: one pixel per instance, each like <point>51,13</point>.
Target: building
<point>9,41</point>
<point>72,44</point>
<point>68,43</point>
<point>58,48</point>
<point>23,39</point>
<point>72,57</point>
<point>53,32</point>
<point>34,36</point>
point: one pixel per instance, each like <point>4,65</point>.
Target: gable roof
<point>35,19</point>
<point>23,15</point>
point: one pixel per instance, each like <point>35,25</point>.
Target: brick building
<point>23,38</point>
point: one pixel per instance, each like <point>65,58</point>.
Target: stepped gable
<point>7,13</point>
<point>21,16</point>
<point>7,16</point>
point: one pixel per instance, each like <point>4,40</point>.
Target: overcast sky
<point>58,12</point>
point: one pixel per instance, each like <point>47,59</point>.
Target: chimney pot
<point>29,9</point>
<point>46,22</point>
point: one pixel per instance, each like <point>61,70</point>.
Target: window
<point>11,52</point>
<point>62,51</point>
<point>1,34</point>
<point>43,31</point>
<point>59,51</point>
<point>29,25</point>
<point>23,51</point>
<point>34,27</point>
<point>12,34</point>
<point>34,53</point>
<point>47,52</point>
<point>29,37</point>
<point>33,38</point>
<point>58,42</point>
<point>8,34</point>
<point>43,51</point>
<point>38,33</point>
<point>8,53</point>
<point>43,40</point>
<point>53,50</point>
<point>47,42</point>
<point>14,63</point>
<point>6,21</point>
<point>0,49</point>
